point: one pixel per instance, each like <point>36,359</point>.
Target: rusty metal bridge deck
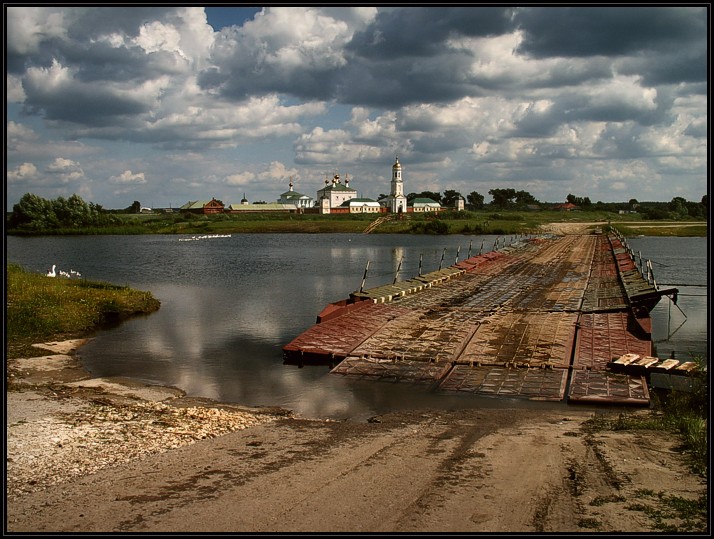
<point>539,319</point>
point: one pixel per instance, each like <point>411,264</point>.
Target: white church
<point>293,197</point>
<point>338,197</point>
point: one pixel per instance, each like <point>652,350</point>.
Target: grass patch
<point>663,230</point>
<point>673,514</point>
<point>602,500</point>
<point>41,309</point>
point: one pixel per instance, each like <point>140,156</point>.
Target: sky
<point>167,104</point>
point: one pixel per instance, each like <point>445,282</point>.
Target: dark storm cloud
<point>621,141</point>
<point>92,22</point>
<point>680,65</point>
<point>83,27</point>
<point>401,58</point>
<point>419,31</point>
<point>393,83</point>
<point>101,62</point>
<point>662,45</point>
<point>413,54</point>
<point>80,104</point>
<point>609,31</point>
<point>96,87</point>
<point>573,109</point>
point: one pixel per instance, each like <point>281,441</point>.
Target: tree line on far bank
<point>510,199</point>
<point>34,214</point>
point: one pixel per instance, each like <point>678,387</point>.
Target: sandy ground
<point>99,455</point>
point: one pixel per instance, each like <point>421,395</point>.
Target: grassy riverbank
<point>448,222</point>
<point>41,309</point>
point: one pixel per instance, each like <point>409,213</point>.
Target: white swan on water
<point>51,273</point>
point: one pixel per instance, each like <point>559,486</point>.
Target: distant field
<point>465,222</point>
<point>648,228</point>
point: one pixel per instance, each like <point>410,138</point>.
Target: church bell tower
<point>397,200</point>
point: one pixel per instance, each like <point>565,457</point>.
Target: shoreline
<point>56,410</point>
<point>111,455</point>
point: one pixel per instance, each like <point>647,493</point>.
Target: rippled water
<point>229,305</point>
<point>679,329</point>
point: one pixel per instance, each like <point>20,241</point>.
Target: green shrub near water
<point>41,308</point>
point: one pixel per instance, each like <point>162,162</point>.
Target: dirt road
<point>100,455</point>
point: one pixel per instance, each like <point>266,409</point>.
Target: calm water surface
<point>229,305</point>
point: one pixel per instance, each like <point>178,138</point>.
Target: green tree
<point>579,201</point>
<point>32,212</point>
<point>523,198</point>
<point>503,198</point>
<point>450,197</point>
<point>678,206</point>
<point>72,212</point>
<point>695,209</point>
<point>475,200</point>
<point>135,207</point>
<point>36,214</point>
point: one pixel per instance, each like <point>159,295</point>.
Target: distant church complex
<point>334,198</point>
<point>339,197</point>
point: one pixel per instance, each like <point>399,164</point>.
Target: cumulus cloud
<point>128,178</point>
<point>24,173</point>
<point>241,179</point>
<point>18,134</point>
<point>534,95</point>
<point>277,171</point>
<point>65,169</point>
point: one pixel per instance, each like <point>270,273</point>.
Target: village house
<point>361,205</point>
<point>567,206</point>
<point>267,207</point>
<point>205,207</point>
<point>422,205</point>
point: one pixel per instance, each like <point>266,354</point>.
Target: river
<point>229,305</point>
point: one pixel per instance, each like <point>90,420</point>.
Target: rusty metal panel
<point>608,388</point>
<point>505,321</point>
<point>339,336</point>
<point>436,335</point>
<point>391,370</point>
<point>602,337</point>
<point>535,384</point>
<point>532,339</point>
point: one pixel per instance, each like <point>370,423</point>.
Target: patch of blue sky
<point>220,17</point>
